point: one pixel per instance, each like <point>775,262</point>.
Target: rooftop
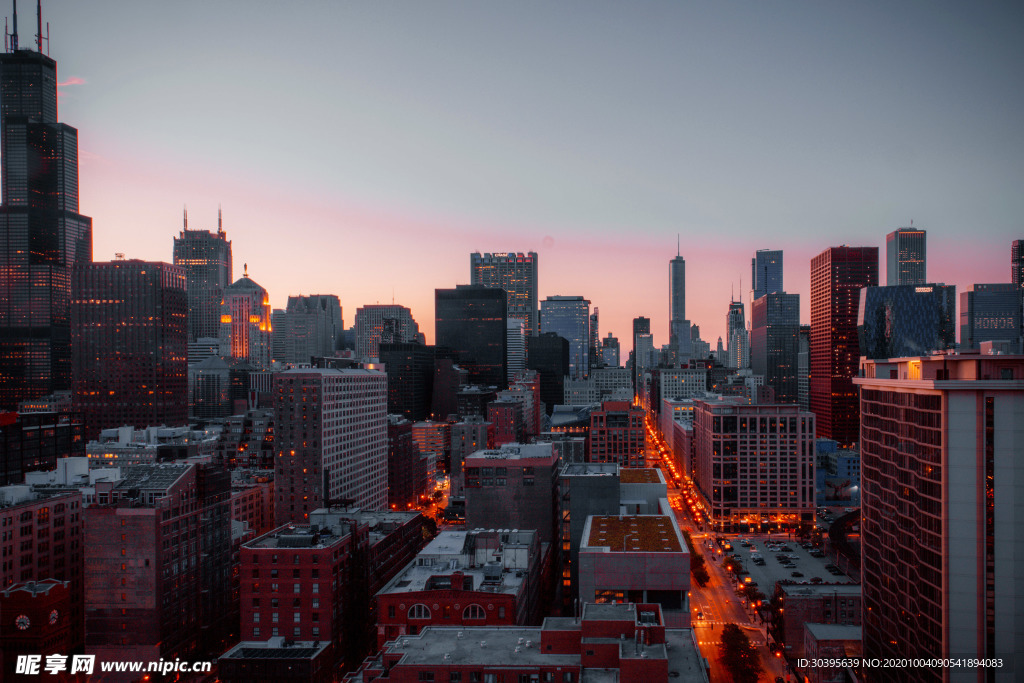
<point>514,451</point>
<point>633,533</point>
<point>152,477</point>
<point>34,587</point>
<point>276,648</point>
<point>297,536</point>
<point>476,646</point>
<point>811,589</point>
<point>590,469</point>
<point>637,475</point>
<point>833,631</point>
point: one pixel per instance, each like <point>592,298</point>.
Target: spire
<point>184,217</point>
<point>677,245</point>
<point>220,220</point>
<point>245,270</point>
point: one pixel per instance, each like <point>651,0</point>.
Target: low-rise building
<point>277,659</point>
<point>799,604</point>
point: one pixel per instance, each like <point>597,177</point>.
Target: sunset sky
<point>365,149</point>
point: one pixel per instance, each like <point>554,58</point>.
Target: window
<point>297,631</point>
<point>273,588</point>
<point>474,612</point>
<point>455,677</point>
<point>426,676</point>
<point>419,611</point>
<point>297,617</point>
<point>273,617</point>
<point>255,617</point>
<point>297,588</point>
<point>391,611</point>
<point>256,632</point>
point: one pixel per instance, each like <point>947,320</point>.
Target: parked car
<point>796,574</point>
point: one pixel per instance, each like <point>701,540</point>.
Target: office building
<point>906,320</point>
<point>678,326</point>
<point>386,323</point>
<point>310,326</point>
<point>641,325</point>
<point>466,578</point>
<point>469,436</point>
<point>990,312</point>
<point>610,352</point>
<point>331,439</point>
<point>206,258</point>
<point>471,320</point>
<point>433,439</point>
<point>410,370</point>
<point>245,327</point>
<point>940,512</point>
<point>775,343</point>
<point>803,368</point>
<point>804,604</point>
<point>548,354</point>
<point>636,558</point>
<point>515,334</point>
<point>33,442</point>
<point>906,257</point>
<point>408,469</point>
<point>569,317</point>
<point>278,659</point>
<point>837,276</point>
<point>737,338</point>
<point>43,235</point>
<point>617,434</point>
<point>753,465</point>
<point>129,334</point>
<point>515,273</point>
<point>765,273</point>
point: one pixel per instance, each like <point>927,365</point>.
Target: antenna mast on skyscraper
<point>39,25</point>
<point>184,216</point>
<point>677,245</point>
<point>14,34</point>
<point>220,220</point>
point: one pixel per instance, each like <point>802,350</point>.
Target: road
<point>717,603</point>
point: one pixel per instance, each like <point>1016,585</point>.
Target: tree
<point>738,655</point>
<point>700,575</point>
<point>697,568</point>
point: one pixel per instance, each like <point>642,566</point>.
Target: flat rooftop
<point>833,631</point>
<point>275,648</point>
<point>639,475</point>
<point>476,646</point>
<point>634,533</point>
<point>821,589</point>
<point>296,537</point>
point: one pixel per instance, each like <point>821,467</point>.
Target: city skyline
<point>594,148</point>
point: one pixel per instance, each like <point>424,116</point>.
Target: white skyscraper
<point>516,338</point>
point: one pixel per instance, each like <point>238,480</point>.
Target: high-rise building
<point>517,275</point>
<point>803,364</point>
<point>245,328</point>
<point>765,273</point>
<point>940,511</point>
<point>641,325</point>
<point>906,320</point>
<point>610,351</point>
<point>331,439</point>
<point>548,354</point>
<point>594,345</point>
<point>407,469</point>
<point>1017,263</point>
<point>35,441</point>
<point>471,320</point>
<point>43,236</point>
<point>617,434</point>
<point>569,317</point>
<point>989,312</point>
<point>130,345</point>
<point>837,276</point>
<point>206,258</point>
<point>737,339</point>
<point>388,323</point>
<point>515,334</point>
<point>410,370</point>
<point>735,445</point>
<point>905,257</point>
<point>678,325</point>
<point>775,343</point>
<point>309,327</point>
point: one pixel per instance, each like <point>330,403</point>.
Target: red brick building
<point>624,642</point>
<point>799,604</point>
<point>617,434</point>
<point>407,468</point>
<point>36,621</point>
<point>466,578</point>
<point>509,423</point>
<point>42,537</point>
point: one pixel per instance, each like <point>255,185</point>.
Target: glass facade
<point>42,235</point>
<point>989,312</point>
<point>569,317</point>
<point>517,275</point>
<point>775,343</point>
<point>206,258</point>
<point>766,272</point>
<point>471,320</point>
<point>905,262</point>
<point>906,320</point>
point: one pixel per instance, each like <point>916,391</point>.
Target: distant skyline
<point>365,150</point>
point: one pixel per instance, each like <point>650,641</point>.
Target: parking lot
<point>781,563</point>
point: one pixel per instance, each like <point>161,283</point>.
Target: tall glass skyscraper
<point>775,343</point>
<point>766,272</point>
<point>42,235</point>
<point>678,326</point>
<point>906,320</point>
<point>517,275</point>
<point>472,321</point>
<point>905,253</point>
<point>206,258</point>
<point>569,317</point>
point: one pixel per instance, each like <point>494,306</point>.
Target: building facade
<point>130,345</point>
<point>471,321</point>
<point>569,317</point>
<point>906,320</point>
<point>990,312</point>
<point>765,273</point>
<point>775,343</point>
<point>516,273</point>
<point>310,326</point>
<point>940,448</point>
<point>386,323</point>
<point>906,257</point>
<point>206,258</point>
<point>837,276</point>
<point>245,326</point>
<point>617,434</point>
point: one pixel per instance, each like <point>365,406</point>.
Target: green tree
<point>738,655</point>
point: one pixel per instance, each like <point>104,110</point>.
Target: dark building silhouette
<point>906,320</point>
<point>31,442</point>
<point>448,380</point>
<point>837,276</point>
<point>473,400</point>
<point>548,354</point>
<point>42,235</point>
<point>410,370</point>
<point>130,348</point>
<point>775,343</point>
<point>470,319</point>
<point>641,325</point>
<point>206,258</point>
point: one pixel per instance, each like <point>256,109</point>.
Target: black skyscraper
<point>470,319</point>
<point>42,235</point>
<point>548,354</point>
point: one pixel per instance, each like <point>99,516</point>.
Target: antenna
<point>677,245</point>
<point>220,220</point>
<point>39,25</point>
<point>185,216</point>
<point>14,33</point>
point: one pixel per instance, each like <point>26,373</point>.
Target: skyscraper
<point>472,321</point>
<point>206,258</point>
<point>129,334</point>
<point>569,317</point>
<point>906,320</point>
<point>245,328</point>
<point>310,326</point>
<point>905,262</point>
<point>548,354</point>
<point>941,513</point>
<point>378,323</point>
<point>331,433</point>
<point>679,326</point>
<point>766,272</point>
<point>775,343</point>
<point>42,234</point>
<point>1017,263</point>
<point>517,275</point>
<point>989,312</point>
<point>610,351</point>
<point>737,340</point>
<point>837,276</point>
<point>515,340</point>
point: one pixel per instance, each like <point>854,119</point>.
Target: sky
<point>365,149</point>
